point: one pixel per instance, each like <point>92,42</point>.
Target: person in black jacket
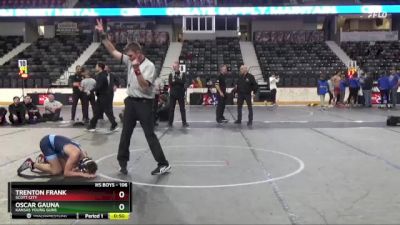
<point>246,84</point>
<point>367,85</point>
<point>3,113</point>
<point>105,93</point>
<point>75,81</point>
<point>17,112</point>
<point>32,110</point>
<point>220,85</point>
<point>177,82</point>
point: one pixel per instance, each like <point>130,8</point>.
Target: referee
<point>246,84</point>
<point>177,81</point>
<point>75,81</point>
<point>220,85</point>
<point>138,104</point>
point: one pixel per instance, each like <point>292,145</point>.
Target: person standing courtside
<point>77,94</point>
<point>273,80</point>
<point>220,85</point>
<point>177,81</point>
<point>394,85</point>
<point>114,81</point>
<point>105,92</point>
<point>88,85</point>
<point>138,104</point>
<point>246,84</point>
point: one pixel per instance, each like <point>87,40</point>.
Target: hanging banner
<point>67,28</point>
<point>202,11</point>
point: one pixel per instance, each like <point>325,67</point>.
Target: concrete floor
<point>296,165</point>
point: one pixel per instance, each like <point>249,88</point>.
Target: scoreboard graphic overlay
<point>94,200</point>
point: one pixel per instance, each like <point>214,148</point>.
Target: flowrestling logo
<point>199,11</point>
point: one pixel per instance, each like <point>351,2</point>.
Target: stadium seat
<point>295,55</point>
<point>203,57</point>
<point>48,57</point>
<point>376,58</point>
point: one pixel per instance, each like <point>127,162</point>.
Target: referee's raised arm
<point>107,43</point>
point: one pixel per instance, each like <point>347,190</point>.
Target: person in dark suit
<point>246,84</point>
<point>105,93</point>
<point>177,81</point>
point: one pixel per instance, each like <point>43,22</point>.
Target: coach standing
<point>105,93</point>
<point>177,81</point>
<point>75,80</point>
<point>220,85</point>
<point>138,104</point>
<point>244,86</point>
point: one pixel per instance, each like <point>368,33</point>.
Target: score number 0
<point>121,206</point>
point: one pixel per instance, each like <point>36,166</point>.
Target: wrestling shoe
<point>161,170</point>
<point>27,164</point>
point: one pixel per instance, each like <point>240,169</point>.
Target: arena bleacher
<point>47,60</point>
<point>298,57</point>
<point>374,57</point>
<point>202,58</point>
<point>8,43</point>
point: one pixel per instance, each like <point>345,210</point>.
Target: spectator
<point>342,88</point>
<point>52,109</point>
<point>17,112</point>
<point>354,86</point>
<point>3,113</point>
<point>394,85</point>
<point>199,82</point>
<point>194,84</point>
<point>367,85</point>
<point>88,85</point>
<point>384,86</point>
<point>322,89</point>
<point>336,87</point>
<point>208,97</point>
<point>163,108</point>
<point>32,110</point>
<point>331,90</point>
<point>273,80</point>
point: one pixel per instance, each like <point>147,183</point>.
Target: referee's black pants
<point>240,101</point>
<point>181,102</point>
<point>220,107</point>
<point>76,96</point>
<point>103,105</point>
<point>137,109</point>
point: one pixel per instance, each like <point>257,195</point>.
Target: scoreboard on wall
<point>95,200</point>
